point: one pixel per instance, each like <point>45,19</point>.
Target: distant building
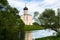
<point>27,18</point>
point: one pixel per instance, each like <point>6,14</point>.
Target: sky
<point>34,5</point>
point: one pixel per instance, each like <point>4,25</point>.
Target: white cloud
<point>35,5</point>
<point>51,3</point>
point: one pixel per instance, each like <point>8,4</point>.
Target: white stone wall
<point>25,11</point>
<point>27,19</point>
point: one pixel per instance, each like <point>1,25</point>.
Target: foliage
<point>58,18</point>
<point>49,20</point>
<point>4,2</point>
<point>47,16</point>
<point>34,23</point>
<point>32,27</point>
<point>21,25</point>
<point>49,38</point>
<point>8,22</point>
<point>36,13</point>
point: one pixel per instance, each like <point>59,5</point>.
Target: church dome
<point>25,8</point>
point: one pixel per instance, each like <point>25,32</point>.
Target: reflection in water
<point>42,33</point>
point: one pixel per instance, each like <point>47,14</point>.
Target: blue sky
<point>34,5</point>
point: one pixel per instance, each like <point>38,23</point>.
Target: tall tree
<point>47,17</point>
<point>35,17</point>
<point>21,25</point>
<point>8,21</point>
<point>58,16</point>
<point>50,20</point>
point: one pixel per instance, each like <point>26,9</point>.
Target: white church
<point>27,19</point>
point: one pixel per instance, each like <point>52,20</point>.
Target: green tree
<point>8,26</point>
<point>21,25</point>
<point>52,21</point>
<point>47,17</point>
<point>57,23</point>
<point>36,13</point>
<point>35,17</point>
<point>58,16</point>
<point>4,2</point>
<point>35,23</point>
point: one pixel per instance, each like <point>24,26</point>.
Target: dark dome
<point>25,8</point>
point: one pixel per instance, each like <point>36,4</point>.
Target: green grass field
<point>32,27</point>
<point>49,38</point>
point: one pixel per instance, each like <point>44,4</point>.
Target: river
<point>42,33</point>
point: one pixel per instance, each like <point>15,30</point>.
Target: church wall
<point>25,11</point>
<point>27,19</point>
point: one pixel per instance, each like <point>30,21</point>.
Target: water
<point>42,33</point>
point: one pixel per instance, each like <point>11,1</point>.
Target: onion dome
<point>25,8</point>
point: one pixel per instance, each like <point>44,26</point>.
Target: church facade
<point>27,18</point>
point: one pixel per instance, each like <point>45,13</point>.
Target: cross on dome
<point>25,8</point>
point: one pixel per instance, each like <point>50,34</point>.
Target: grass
<point>32,27</point>
<point>49,38</point>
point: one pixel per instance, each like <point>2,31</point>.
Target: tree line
<point>10,23</point>
<point>48,19</point>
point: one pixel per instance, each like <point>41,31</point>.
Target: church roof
<point>25,8</point>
